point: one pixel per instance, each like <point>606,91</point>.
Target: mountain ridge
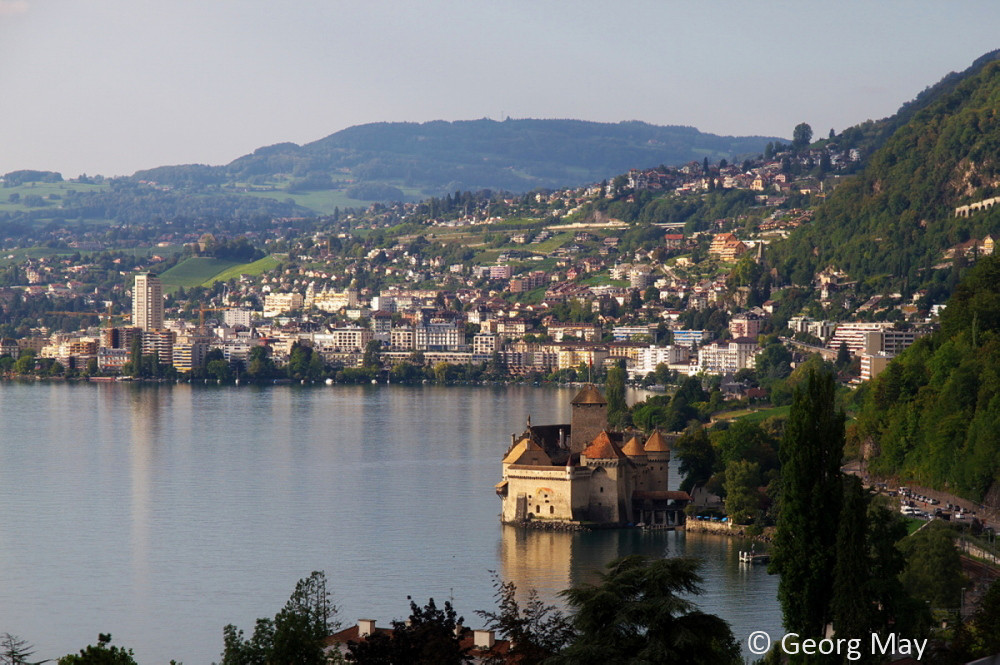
<point>440,156</point>
<point>892,222</point>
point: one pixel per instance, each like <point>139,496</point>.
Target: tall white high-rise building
<point>147,302</point>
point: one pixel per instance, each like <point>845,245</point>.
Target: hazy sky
<point>112,86</point>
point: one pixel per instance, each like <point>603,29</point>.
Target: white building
<point>238,317</point>
<point>279,303</point>
<point>649,358</point>
<point>344,339</point>
<point>728,357</point>
<point>484,345</point>
<point>439,336</point>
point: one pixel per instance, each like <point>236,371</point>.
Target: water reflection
<point>550,561</point>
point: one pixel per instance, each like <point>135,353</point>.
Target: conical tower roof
<point>602,448</point>
<point>589,395</point>
<point>656,443</point>
<point>633,448</point>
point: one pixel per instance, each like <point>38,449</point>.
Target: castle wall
<point>658,470</point>
<point>610,494</point>
<point>545,493</point>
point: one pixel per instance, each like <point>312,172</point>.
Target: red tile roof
<point>602,448</point>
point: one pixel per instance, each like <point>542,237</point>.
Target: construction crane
<point>201,315</point>
<point>107,315</point>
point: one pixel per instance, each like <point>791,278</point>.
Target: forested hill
<point>933,415</point>
<point>433,158</point>
<point>890,225</point>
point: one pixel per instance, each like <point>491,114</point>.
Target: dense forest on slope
<point>890,225</point>
<point>438,157</point>
<point>934,414</point>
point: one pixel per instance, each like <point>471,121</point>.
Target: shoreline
<point>723,529</point>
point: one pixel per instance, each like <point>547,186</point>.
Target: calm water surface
<point>161,513</point>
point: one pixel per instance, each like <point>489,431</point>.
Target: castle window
<point>602,490</point>
<point>538,509</point>
<point>552,510</point>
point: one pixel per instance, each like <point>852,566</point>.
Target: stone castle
<point>580,473</point>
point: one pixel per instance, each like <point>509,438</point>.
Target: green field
<point>202,271</point>
<point>51,194</point>
<point>757,415</point>
<point>258,267</point>
<point>194,272</point>
<point>325,201</point>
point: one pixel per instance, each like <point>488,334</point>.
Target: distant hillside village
<point>562,300</point>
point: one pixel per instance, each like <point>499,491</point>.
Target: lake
<point>161,513</point>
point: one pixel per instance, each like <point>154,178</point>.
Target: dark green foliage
<point>536,631</point>
<point>618,413</point>
<point>745,440</point>
<point>304,363</point>
<point>934,414</point>
<point>933,573</point>
<point>980,636</point>
<point>15,178</point>
<point>974,307</point>
<point>639,612</point>
<point>867,594</point>
<point>102,654</point>
<point>804,543</point>
<point>743,500</point>
<point>891,224</point>
<point>294,636</point>
<point>801,136</point>
<point>427,638</point>
<point>698,459</point>
<point>261,367</point>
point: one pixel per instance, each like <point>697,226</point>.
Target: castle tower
<point>635,452</point>
<point>658,462</point>
<point>590,418</point>
<point>610,483</point>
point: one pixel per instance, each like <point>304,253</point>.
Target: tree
<point>639,612</point>
<point>135,356</point>
<point>933,573</point>
<point>802,136</point>
<point>428,637</point>
<point>102,654</point>
<point>980,636</point>
<point>843,356</point>
<point>371,357</point>
<point>219,369</point>
<point>697,457</point>
<point>868,597</point>
<point>804,549</point>
<point>307,618</point>
<point>618,413</point>
<point>15,651</point>
<point>261,365</point>
<point>298,361</point>
<point>295,635</point>
<point>25,363</point>
<point>742,496</point>
<point>536,631</point>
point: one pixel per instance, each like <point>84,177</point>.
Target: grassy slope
<point>194,272</point>
<point>258,267</point>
